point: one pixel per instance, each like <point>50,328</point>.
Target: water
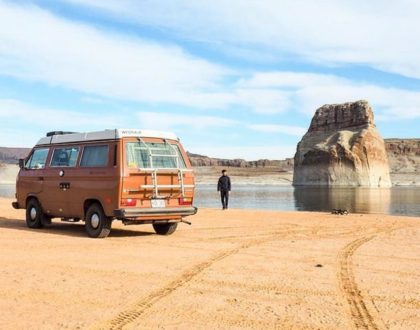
<point>396,200</point>
<point>7,190</point>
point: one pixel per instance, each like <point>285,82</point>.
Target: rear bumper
<point>139,212</point>
<point>15,205</point>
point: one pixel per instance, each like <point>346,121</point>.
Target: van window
<point>153,155</point>
<point>38,159</point>
<point>65,157</point>
<point>94,156</point>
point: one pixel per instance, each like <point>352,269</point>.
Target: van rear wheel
<point>34,214</point>
<point>97,224</point>
<point>165,228</point>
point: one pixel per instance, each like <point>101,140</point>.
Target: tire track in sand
<point>134,312</point>
<point>362,315</point>
<point>131,314</point>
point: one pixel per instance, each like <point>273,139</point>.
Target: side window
<point>65,157</point>
<point>95,156</point>
<point>38,159</point>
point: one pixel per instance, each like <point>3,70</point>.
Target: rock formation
<point>12,155</point>
<point>200,161</point>
<point>404,155</point>
<point>342,148</point>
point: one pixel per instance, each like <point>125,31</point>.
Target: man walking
<point>224,187</point>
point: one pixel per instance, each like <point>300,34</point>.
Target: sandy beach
<point>233,269</point>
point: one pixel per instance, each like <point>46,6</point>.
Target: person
<point>224,187</point>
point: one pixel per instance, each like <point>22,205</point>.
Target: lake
<point>395,200</point>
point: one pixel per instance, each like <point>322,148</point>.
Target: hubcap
<point>33,213</point>
<point>94,221</point>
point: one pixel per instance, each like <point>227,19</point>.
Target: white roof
<point>108,134</point>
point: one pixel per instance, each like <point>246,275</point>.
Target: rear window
<point>94,156</point>
<point>38,159</point>
<point>153,155</point>
<point>66,157</point>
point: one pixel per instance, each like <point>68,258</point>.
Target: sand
<point>230,269</point>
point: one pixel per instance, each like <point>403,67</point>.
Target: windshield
<point>153,155</point>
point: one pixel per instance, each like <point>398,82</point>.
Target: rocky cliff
<point>404,155</point>
<point>12,155</point>
<point>200,160</point>
<point>342,148</point>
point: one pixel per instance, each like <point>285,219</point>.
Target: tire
<point>34,214</point>
<point>46,221</point>
<point>97,224</point>
<point>165,228</point>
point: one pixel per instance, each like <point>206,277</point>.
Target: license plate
<point>158,203</point>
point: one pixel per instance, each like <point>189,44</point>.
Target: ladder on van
<point>154,171</point>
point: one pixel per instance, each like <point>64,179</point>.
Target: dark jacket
<point>224,183</point>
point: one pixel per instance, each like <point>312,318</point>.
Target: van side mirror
<point>22,163</point>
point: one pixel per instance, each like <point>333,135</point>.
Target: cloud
<point>43,47</point>
<point>103,64</point>
<point>308,91</point>
<point>19,112</point>
<point>246,152</point>
<point>171,121</point>
<point>24,124</point>
<point>278,129</point>
<point>97,62</point>
<point>383,35</point>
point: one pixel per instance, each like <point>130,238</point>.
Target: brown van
<point>136,176</point>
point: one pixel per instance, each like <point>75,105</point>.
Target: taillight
<point>128,202</point>
<point>185,201</point>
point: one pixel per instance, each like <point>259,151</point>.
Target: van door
<point>31,177</point>
<point>58,180</point>
<point>98,178</point>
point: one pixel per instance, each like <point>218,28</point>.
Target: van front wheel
<point>97,224</point>
<point>34,214</point>
<point>165,228</point>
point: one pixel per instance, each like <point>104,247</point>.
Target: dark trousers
<point>224,195</point>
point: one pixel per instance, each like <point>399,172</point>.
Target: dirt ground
<point>230,269</point>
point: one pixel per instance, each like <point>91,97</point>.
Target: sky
<point>233,79</point>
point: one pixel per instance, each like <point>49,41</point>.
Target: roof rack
<point>52,133</point>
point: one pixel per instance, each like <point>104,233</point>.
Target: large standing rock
<point>342,148</point>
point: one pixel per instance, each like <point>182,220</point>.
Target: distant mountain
<point>200,160</point>
<point>12,155</point>
<point>404,155</point>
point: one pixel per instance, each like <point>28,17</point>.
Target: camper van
<point>136,176</point>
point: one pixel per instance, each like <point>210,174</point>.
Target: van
<point>136,176</point>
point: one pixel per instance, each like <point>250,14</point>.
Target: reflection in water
<point>356,200</point>
<point>248,196</point>
<point>405,201</point>
<point>396,200</point>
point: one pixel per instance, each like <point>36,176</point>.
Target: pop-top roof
<point>108,134</point>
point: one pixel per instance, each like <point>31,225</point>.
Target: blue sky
<point>234,79</point>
